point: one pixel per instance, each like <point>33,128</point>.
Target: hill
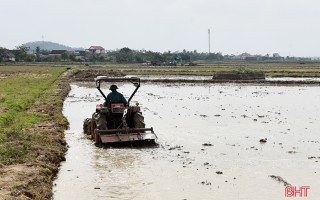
<point>47,45</point>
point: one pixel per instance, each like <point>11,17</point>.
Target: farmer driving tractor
<point>114,97</point>
<point>115,119</point>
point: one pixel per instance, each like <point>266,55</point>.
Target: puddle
<point>209,144</point>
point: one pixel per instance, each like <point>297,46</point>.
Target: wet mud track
<point>216,141</point>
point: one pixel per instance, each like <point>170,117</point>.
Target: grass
<point>273,69</point>
<point>23,87</point>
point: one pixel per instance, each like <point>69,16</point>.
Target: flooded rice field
<point>299,79</point>
<point>216,141</point>
<point>188,77</point>
<point>173,77</point>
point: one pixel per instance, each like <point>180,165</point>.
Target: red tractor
<point>118,123</point>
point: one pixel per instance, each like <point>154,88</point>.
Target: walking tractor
<point>118,122</point>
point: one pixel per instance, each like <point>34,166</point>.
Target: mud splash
<point>209,137</point>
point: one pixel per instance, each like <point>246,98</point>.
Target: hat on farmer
<point>113,87</point>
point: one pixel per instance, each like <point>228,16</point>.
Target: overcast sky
<point>288,27</point>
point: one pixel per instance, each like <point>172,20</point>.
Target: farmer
<point>115,97</point>
<point>115,119</point>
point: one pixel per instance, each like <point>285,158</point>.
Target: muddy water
<point>188,77</point>
<point>203,130</point>
<point>172,77</point>
<point>293,79</point>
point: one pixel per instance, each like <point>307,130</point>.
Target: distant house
<point>79,53</point>
<point>97,50</point>
<point>57,55</point>
<point>6,55</point>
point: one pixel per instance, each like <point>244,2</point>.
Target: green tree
<point>21,53</point>
<point>138,58</point>
<point>214,56</point>
<point>125,55</point>
<point>38,52</point>
<point>30,58</point>
<point>93,58</point>
<point>184,57</point>
<point>101,59</point>
<point>64,56</point>
<point>72,57</point>
<point>158,58</point>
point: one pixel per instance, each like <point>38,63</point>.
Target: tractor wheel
<point>87,126</point>
<point>138,120</point>
<point>94,136</point>
<point>93,127</point>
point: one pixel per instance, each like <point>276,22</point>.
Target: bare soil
<point>239,75</point>
<point>90,74</point>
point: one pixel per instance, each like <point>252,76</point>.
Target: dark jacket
<point>115,97</point>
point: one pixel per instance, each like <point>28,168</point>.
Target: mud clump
<point>239,75</point>
<point>205,182</point>
<point>90,74</point>
<point>175,147</point>
<point>313,157</point>
<point>279,179</point>
<point>262,141</point>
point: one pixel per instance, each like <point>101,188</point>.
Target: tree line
<point>126,55</point>
<point>123,55</point>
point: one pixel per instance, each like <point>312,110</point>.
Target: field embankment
<point>32,128</point>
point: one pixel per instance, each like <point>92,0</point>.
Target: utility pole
<point>209,39</point>
<point>42,42</point>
